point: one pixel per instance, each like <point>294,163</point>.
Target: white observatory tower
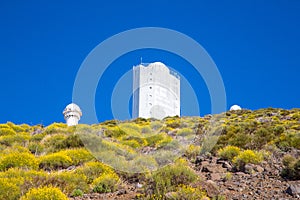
<point>72,114</point>
<point>156,91</point>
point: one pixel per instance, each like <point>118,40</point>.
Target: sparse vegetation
<point>46,161</point>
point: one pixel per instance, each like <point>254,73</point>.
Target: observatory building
<point>235,107</point>
<point>72,114</point>
<point>156,91</point>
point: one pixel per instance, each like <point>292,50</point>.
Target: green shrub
<point>114,132</point>
<point>107,182</point>
<point>156,125</point>
<point>291,168</point>
<point>72,141</point>
<point>229,152</point>
<point>20,138</point>
<point>188,192</point>
<point>44,193</point>
<point>192,151</point>
<point>140,163</point>
<point>240,140</point>
<point>288,161</point>
<point>247,156</point>
<point>93,169</point>
<point>69,181</point>
<point>38,137</point>
<point>8,190</point>
<point>295,141</point>
<point>227,176</point>
<point>130,128</point>
<point>185,132</point>
<point>132,143</point>
<point>77,193</point>
<point>53,142</point>
<point>146,130</point>
<point>55,161</point>
<point>36,147</point>
<point>278,130</point>
<point>155,140</point>
<point>262,136</point>
<point>168,178</point>
<point>16,159</point>
<point>110,123</point>
<point>288,139</point>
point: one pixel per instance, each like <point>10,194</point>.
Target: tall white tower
<point>72,114</point>
<point>156,91</point>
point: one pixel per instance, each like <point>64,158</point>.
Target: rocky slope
<point>219,179</point>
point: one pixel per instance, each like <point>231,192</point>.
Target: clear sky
<point>255,45</point>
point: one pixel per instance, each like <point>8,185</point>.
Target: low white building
<point>156,91</point>
<point>72,114</point>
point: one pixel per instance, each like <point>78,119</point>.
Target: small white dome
<point>72,108</point>
<point>235,107</point>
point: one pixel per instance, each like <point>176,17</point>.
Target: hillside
<point>234,155</point>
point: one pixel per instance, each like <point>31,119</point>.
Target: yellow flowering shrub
<point>134,141</point>
<point>229,152</point>
<point>55,161</point>
<point>93,169</point>
<point>106,182</point>
<point>44,193</point>
<point>78,156</point>
<point>190,193</point>
<point>4,126</point>
<point>15,148</point>
<point>16,159</point>
<point>159,139</point>
<point>15,127</point>
<point>131,143</point>
<point>20,138</point>
<point>114,132</point>
<point>25,179</point>
<point>247,156</point>
<point>69,181</point>
<point>56,128</point>
<point>168,178</point>
<point>7,131</point>
<point>9,190</point>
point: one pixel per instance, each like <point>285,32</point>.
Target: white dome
<point>158,63</point>
<point>159,66</point>
<point>235,107</point>
<point>72,108</point>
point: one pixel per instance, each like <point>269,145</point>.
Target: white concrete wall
<point>72,118</point>
<point>156,91</point>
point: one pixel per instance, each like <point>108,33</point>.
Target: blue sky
<point>255,45</point>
